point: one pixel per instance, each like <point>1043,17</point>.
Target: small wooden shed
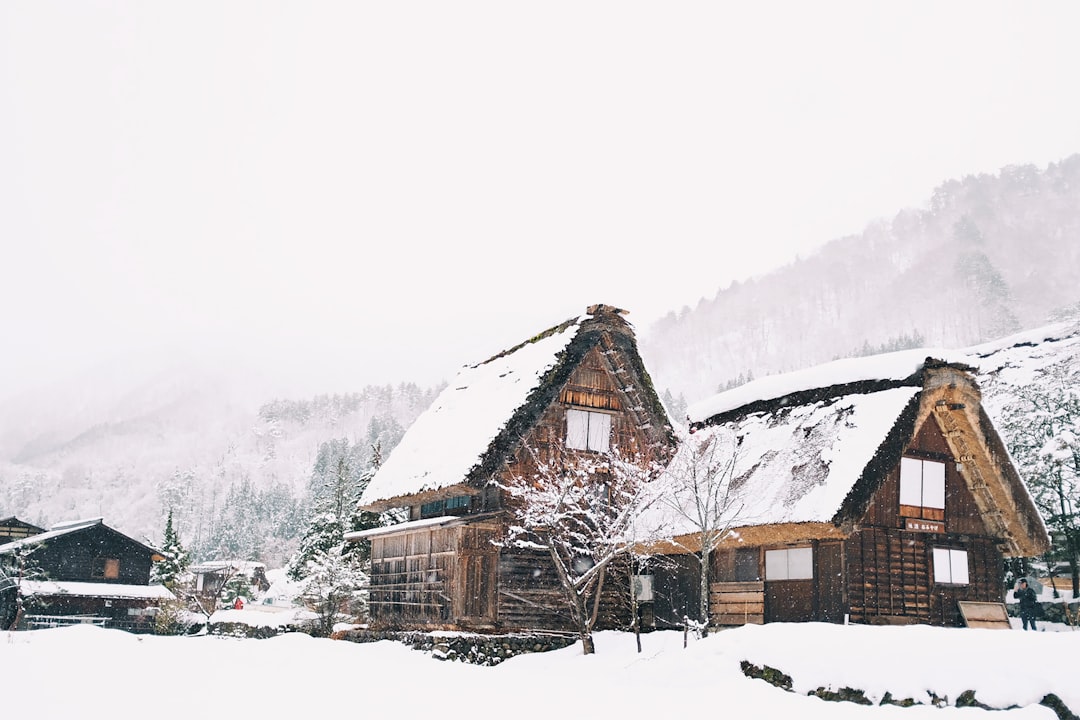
<point>872,491</point>
<point>580,385</point>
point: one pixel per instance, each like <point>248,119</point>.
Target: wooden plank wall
<point>412,577</point>
<point>891,577</point>
<point>736,603</point>
<point>531,597</point>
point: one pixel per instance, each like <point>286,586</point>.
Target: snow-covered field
<point>91,672</point>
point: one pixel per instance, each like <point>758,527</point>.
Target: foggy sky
<point>327,195</point>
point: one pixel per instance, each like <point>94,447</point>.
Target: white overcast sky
<point>334,194</point>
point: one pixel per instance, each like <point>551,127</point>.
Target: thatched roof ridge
<point>809,396</point>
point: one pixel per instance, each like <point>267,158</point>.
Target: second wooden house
<point>579,386</point>
<point>873,490</point>
<point>84,572</point>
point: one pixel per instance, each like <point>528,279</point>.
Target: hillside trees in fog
<point>989,254</point>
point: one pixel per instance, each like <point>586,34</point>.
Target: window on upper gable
<point>922,488</point>
<point>586,430</point>
<point>950,566</point>
<point>106,568</point>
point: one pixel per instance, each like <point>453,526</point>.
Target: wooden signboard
<point>984,615</point>
<point>924,525</point>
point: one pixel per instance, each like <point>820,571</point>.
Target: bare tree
<point>698,492</point>
<point>580,508</point>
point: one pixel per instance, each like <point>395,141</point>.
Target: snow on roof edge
<point>896,367</point>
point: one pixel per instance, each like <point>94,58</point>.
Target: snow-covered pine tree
<point>324,533</point>
<point>338,480</point>
<point>169,570</point>
<point>331,588</point>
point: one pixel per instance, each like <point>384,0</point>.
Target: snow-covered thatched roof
<point>477,420</point>
<point>1011,363</point>
<point>813,446</point>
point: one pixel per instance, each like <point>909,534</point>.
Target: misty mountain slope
<point>989,255</point>
<point>192,447</point>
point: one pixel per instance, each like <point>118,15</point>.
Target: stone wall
<point>465,647</point>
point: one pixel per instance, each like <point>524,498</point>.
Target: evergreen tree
<point>332,582</point>
<point>324,533</point>
<point>169,570</point>
<point>337,482</point>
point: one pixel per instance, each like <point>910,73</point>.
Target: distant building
<point>211,577</point>
<point>12,528</point>
<point>83,572</point>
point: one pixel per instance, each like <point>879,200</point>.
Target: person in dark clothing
<point>1029,607</point>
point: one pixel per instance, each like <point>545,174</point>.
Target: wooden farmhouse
<point>12,528</point>
<point>83,572</point>
<point>579,387</point>
<point>872,491</point>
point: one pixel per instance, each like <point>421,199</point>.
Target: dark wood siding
<point>891,576</point>
<point>829,580</point>
<point>413,577</point>
<point>961,512</point>
<point>80,557</point>
<point>529,592</point>
<point>890,569</point>
<point>676,590</point>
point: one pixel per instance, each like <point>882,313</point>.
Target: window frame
<point>446,506</point>
<point>950,554</point>
<point>927,507</point>
<point>588,436</point>
<point>772,567</point>
<point>105,568</point>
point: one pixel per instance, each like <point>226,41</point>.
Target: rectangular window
<point>746,565</point>
<point>445,507</point>
<point>950,566</point>
<point>107,568</point>
<point>588,430</point>
<point>789,564</point>
<point>922,488</point>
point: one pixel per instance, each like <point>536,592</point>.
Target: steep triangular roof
<point>467,433</point>
<point>68,528</point>
<point>807,453</point>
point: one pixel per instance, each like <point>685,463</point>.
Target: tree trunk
<point>578,611</point>
<point>703,605</point>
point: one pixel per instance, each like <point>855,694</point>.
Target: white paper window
<point>933,484</point>
<point>599,431</point>
<point>950,566</point>
<point>588,430</point>
<point>789,564</point>
<point>922,483</point>
<point>577,429</point>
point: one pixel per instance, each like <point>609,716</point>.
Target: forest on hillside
<point>988,255</point>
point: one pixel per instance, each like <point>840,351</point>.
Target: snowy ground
<point>88,671</point>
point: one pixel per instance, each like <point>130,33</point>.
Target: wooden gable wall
<point>530,595</point>
<point>80,555</point>
<point>890,568</point>
<point>961,512</point>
